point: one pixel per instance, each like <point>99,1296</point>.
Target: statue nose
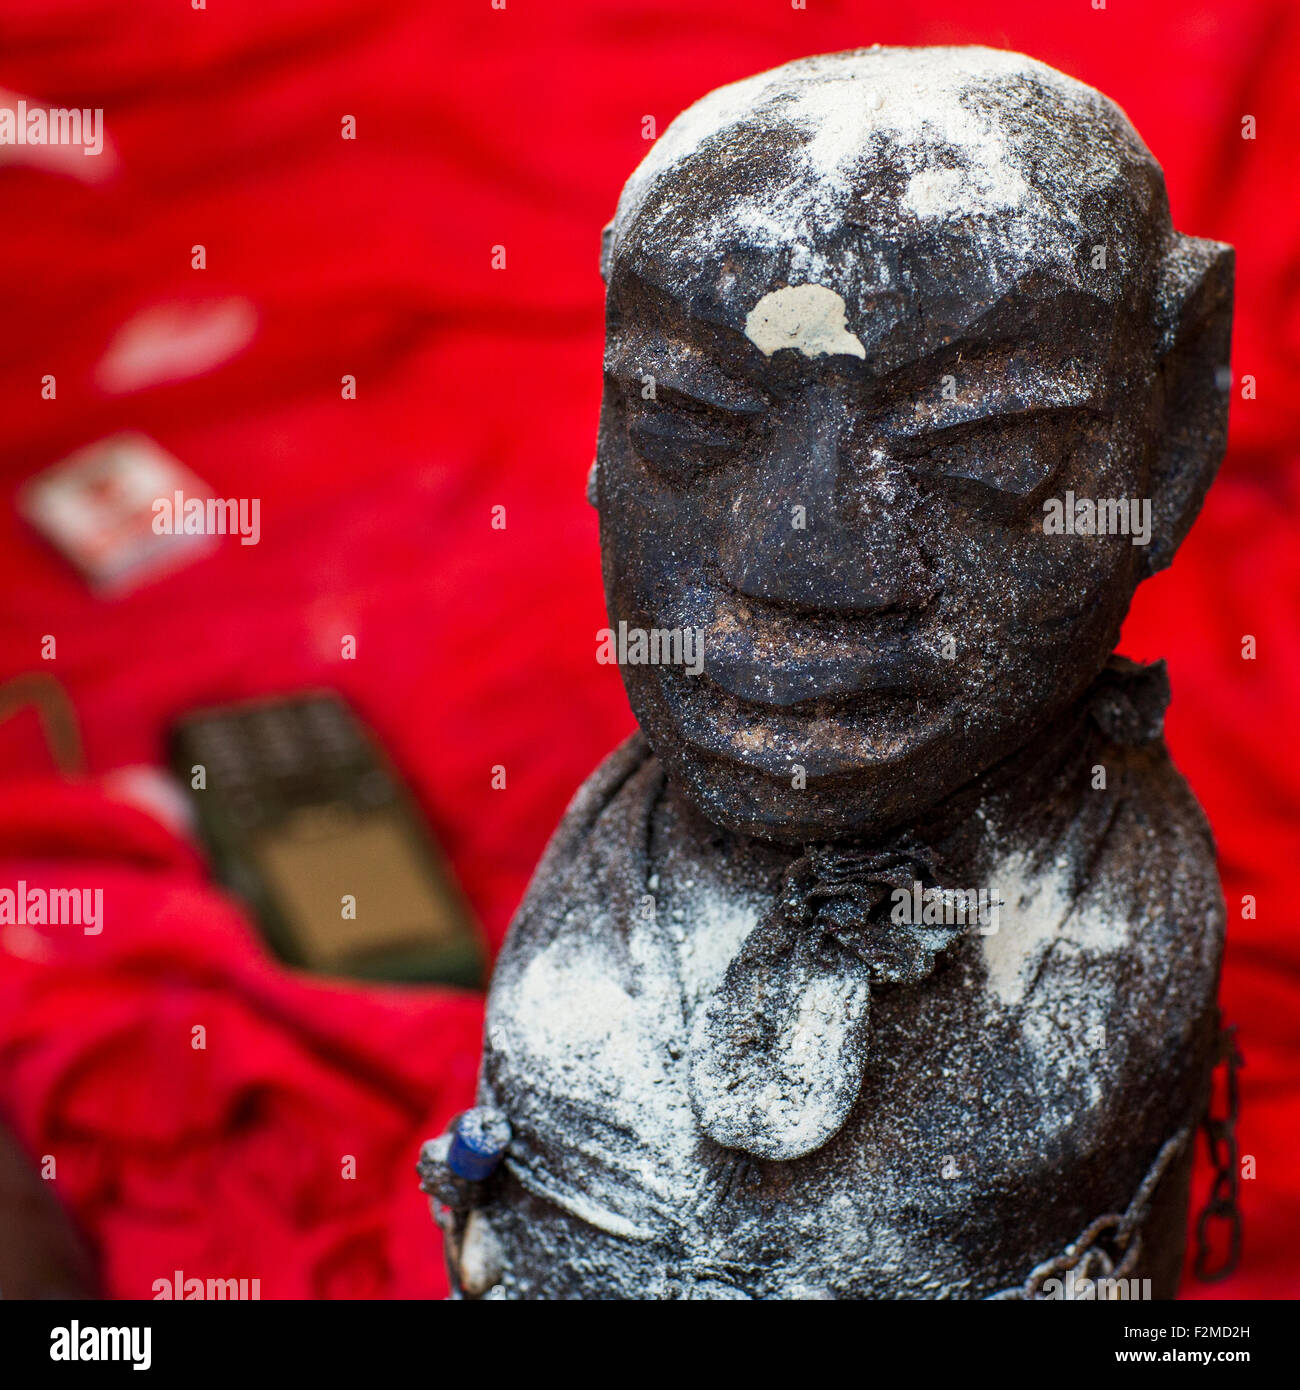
<point>822,522</point>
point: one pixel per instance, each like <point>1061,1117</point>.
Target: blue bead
<point>478,1143</point>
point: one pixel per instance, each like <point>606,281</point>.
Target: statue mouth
<point>852,681</point>
<point>776,658</point>
<point>782,684</point>
<point>827,736</point>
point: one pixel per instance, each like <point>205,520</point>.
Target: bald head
<point>849,169</point>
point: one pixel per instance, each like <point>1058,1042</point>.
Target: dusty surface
<point>1018,1092</point>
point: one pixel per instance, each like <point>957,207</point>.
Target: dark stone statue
<point>883,962</point>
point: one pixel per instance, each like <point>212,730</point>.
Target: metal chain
<point>1087,1254</point>
<point>1221,1138</point>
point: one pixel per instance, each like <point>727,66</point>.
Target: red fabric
<point>479,127</point>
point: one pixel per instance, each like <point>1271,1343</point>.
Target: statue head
<point>880,325</point>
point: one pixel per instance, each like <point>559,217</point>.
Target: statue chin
<point>749,801</point>
<point>770,780</point>
<point>755,809</point>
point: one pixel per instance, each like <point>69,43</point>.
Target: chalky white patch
<point>809,318</point>
<point>934,192</point>
<point>923,107</point>
<point>575,1031</point>
<point>717,931</point>
<point>1038,912</point>
<point>481,1258</point>
<point>1033,910</point>
<point>568,1001</point>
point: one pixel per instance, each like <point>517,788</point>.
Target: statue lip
<point>873,728</point>
<point>878,675</point>
<point>772,656</point>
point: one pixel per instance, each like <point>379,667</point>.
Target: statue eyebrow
<point>1063,387</point>
<point>709,389</point>
<point>997,409</point>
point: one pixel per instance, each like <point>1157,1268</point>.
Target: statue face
<point>829,428</point>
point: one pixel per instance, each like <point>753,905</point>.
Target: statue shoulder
<point>1123,899</point>
<point>1154,845</point>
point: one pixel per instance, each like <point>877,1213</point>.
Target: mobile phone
<point>307,820</point>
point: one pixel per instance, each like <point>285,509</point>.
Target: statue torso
<point>1017,1093</point>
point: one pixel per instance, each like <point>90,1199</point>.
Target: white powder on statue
<point>848,106</point>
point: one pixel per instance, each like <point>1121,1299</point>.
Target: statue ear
<point>606,249</point>
<point>1194,314</point>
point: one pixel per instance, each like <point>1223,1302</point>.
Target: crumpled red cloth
<point>208,1112</point>
<point>283,1149</point>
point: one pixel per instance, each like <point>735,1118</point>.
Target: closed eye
<point>990,422</point>
<point>1013,454</point>
<point>681,436</point>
